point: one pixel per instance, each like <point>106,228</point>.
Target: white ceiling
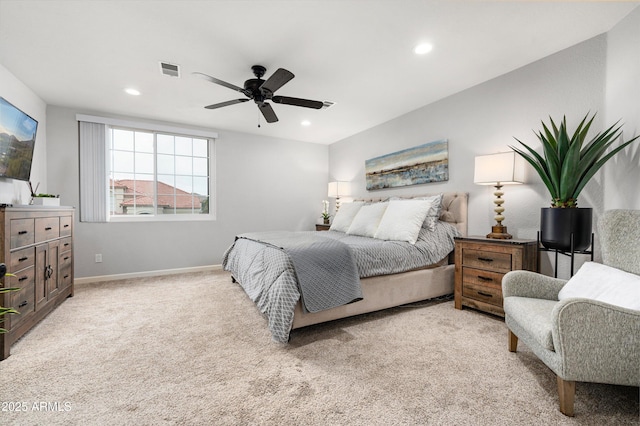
<point>356,53</point>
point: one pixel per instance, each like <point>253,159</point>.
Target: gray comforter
<point>325,268</point>
<point>267,274</point>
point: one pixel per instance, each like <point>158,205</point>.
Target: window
<point>157,174</point>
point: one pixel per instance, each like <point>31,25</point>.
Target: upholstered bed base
<point>387,291</point>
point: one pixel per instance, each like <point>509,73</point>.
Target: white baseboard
<point>100,278</point>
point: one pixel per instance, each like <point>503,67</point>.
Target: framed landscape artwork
<point>412,166</point>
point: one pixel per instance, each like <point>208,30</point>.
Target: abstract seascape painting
<point>412,166</point>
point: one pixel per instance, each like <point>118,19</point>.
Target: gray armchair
<point>580,340</point>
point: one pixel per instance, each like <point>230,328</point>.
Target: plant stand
<point>571,253</point>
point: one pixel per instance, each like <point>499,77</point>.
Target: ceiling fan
<point>260,91</point>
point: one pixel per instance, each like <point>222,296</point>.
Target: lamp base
<point>499,232</point>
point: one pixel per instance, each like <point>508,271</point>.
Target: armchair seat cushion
<point>536,314</point>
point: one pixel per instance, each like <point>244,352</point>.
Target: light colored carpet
<point>194,350</point>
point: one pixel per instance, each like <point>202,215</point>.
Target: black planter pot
<point>557,225</point>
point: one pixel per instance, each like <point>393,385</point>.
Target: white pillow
<point>433,215</point>
<point>402,220</point>
<point>366,221</point>
<point>344,216</point>
<point>604,283</point>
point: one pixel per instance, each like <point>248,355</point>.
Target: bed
<point>268,267</point>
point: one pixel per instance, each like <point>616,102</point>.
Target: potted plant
<point>566,166</point>
<point>43,199</point>
<point>325,212</point>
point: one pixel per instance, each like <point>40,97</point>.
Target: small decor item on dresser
<point>43,199</point>
<point>568,163</point>
<point>46,200</point>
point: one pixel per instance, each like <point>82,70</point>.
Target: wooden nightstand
<point>480,265</point>
<point>322,227</point>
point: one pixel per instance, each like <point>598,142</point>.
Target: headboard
<point>454,207</point>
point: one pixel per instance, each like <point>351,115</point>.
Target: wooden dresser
<point>38,249</point>
<point>480,264</point>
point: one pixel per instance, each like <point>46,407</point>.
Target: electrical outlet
<point>98,258</point>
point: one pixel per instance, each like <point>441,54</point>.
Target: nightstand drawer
<point>483,293</point>
<point>486,259</point>
<point>482,277</point>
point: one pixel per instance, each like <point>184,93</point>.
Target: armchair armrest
<point>531,284</point>
<point>598,342</point>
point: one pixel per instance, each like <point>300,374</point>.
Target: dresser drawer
<point>66,277</point>
<point>23,300</point>
<point>22,258</point>
<point>486,259</point>
<point>22,232</point>
<point>66,244</point>
<point>65,225</point>
<point>64,259</point>
<point>47,228</point>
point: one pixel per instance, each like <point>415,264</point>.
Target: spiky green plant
<point>568,163</point>
<point>6,311</point>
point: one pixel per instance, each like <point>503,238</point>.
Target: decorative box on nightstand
<point>480,264</point>
<point>322,227</point>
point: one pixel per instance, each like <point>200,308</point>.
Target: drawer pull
<point>48,228</point>
<point>485,278</point>
<point>482,293</point>
<point>65,258</point>
<point>22,232</point>
<point>23,278</point>
<point>22,259</point>
<point>23,304</point>
<point>485,259</point>
<point>65,277</point>
<point>66,226</point>
<point>66,244</point>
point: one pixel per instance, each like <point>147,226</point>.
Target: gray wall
<point>623,103</point>
<point>261,184</point>
<point>484,119</point>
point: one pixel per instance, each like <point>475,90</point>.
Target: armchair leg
<point>513,342</point>
<point>566,394</point>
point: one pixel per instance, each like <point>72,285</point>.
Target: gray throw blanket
<point>326,270</point>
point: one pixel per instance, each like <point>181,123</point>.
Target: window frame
<point>162,129</point>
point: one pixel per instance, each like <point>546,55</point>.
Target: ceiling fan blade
<point>277,80</point>
<point>222,83</point>
<point>307,103</point>
<point>268,112</point>
<point>224,104</point>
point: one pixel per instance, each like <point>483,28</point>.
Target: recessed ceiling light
<point>306,123</point>
<point>423,48</point>
<point>132,92</point>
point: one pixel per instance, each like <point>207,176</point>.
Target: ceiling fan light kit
<point>260,91</point>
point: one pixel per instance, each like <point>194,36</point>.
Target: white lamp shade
<point>339,189</point>
<point>503,167</point>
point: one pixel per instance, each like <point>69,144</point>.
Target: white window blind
<point>93,172</point>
